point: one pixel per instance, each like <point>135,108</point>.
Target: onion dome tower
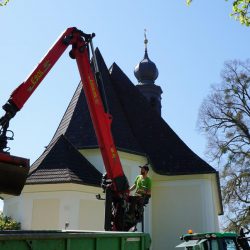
<point>146,73</point>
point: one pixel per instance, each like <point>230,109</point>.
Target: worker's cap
<point>144,167</point>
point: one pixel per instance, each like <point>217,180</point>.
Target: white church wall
<point>179,205</point>
<point>74,204</point>
<point>91,215</point>
<point>45,214</point>
<point>12,207</point>
<point>130,162</point>
<point>51,206</point>
<point>94,157</point>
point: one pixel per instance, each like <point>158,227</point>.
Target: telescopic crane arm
<point>92,86</point>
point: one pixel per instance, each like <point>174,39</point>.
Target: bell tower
<point>146,73</point>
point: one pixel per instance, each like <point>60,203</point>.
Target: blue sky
<point>188,44</point>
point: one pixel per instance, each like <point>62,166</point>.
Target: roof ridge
<point>40,159</point>
<point>166,151</point>
<point>64,163</point>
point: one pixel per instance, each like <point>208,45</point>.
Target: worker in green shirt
<point>142,187</point>
<point>143,183</point>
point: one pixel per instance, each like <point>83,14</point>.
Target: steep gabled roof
<point>75,123</point>
<point>168,154</point>
<point>77,126</point>
<point>62,163</point>
<point>136,128</point>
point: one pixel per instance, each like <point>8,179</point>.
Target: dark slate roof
<point>76,123</point>
<point>136,128</point>
<point>61,162</point>
<point>168,154</point>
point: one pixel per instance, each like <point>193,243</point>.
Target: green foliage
<point>240,11</point>
<point>7,223</point>
<point>3,3</point>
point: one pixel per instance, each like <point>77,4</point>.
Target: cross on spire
<point>145,39</point>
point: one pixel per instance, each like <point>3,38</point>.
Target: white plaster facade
<point>178,203</point>
<point>52,206</point>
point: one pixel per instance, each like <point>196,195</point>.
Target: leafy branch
<point>240,11</point>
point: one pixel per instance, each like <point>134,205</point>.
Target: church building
<point>60,192</point>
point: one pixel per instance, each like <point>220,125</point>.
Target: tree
<point>225,119</point>
<point>240,11</point>
<point>7,223</point>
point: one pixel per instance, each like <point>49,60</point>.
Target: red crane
<point>14,170</point>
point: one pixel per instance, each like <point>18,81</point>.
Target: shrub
<point>7,223</point>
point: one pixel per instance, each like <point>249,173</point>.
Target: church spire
<point>146,73</point>
<point>145,43</point>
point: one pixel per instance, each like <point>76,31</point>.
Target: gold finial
<point>145,38</point>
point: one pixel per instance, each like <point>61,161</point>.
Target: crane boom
<point>100,118</point>
<point>14,170</point>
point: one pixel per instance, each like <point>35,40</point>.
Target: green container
<point>73,240</point>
